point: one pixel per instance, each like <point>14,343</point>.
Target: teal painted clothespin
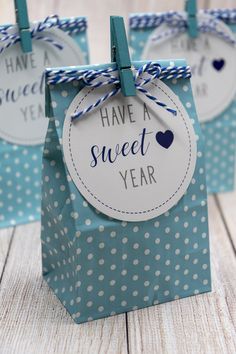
<point>120,55</point>
<point>23,24</point>
<point>191,9</point>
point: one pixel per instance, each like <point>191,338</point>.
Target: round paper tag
<point>212,62</point>
<point>129,158</point>
<point>22,111</point>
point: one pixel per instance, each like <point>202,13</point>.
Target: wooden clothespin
<point>191,9</point>
<point>120,55</point>
<point>23,24</point>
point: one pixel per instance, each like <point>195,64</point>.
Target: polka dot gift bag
<point>212,57</point>
<point>124,205</point>
<point>23,126</point>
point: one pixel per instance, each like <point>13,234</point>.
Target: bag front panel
<point>121,266</point>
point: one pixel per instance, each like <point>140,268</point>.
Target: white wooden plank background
<point>31,318</point>
<point>202,324</point>
<point>98,13</point>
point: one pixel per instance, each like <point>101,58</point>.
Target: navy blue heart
<point>218,64</point>
<point>165,139</point>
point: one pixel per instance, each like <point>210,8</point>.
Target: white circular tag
<point>22,111</point>
<point>212,62</point>
<point>129,158</point>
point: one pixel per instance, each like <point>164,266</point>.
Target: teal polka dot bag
<point>55,42</point>
<point>124,203</point>
<point>212,57</point>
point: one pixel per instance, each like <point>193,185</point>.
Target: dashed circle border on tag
<point>124,212</point>
<point>215,111</point>
<point>55,34</point>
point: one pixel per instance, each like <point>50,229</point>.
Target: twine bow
<point>71,26</point>
<point>109,77</point>
<point>177,23</point>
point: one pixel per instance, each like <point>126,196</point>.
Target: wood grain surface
<point>32,320</point>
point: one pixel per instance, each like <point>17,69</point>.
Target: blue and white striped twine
<point>150,20</point>
<point>142,76</point>
<point>177,22</point>
<point>70,26</point>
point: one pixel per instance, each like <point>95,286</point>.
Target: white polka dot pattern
<point>219,134</point>
<point>98,266</point>
<point>20,173</point>
<point>220,142</point>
